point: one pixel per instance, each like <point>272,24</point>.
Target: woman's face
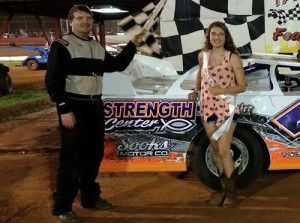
<point>217,37</point>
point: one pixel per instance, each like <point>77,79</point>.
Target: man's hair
<point>77,8</point>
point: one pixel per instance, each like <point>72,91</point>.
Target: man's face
<point>82,23</point>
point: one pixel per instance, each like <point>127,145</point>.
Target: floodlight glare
<point>108,10</point>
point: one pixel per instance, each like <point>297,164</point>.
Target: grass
<point>23,102</point>
<point>11,63</point>
<point>22,97</point>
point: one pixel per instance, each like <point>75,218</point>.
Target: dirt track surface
<point>24,79</point>
<point>28,155</point>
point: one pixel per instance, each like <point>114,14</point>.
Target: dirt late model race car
<point>151,125</point>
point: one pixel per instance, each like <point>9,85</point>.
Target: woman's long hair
<point>228,45</point>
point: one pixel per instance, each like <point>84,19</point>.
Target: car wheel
<point>5,84</point>
<point>32,64</point>
<point>247,154</point>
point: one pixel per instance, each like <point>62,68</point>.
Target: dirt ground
<point>28,156</point>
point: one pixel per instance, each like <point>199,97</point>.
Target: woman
<point>219,79</point>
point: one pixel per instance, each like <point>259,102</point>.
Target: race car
<point>6,86</point>
<point>36,62</point>
<point>151,125</point>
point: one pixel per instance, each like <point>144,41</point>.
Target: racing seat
<point>285,75</point>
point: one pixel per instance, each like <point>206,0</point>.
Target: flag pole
<point>147,26</point>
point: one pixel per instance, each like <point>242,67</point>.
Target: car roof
<point>279,59</point>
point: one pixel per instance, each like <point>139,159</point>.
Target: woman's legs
<point>229,168</point>
<point>226,167</point>
<point>216,199</point>
<point>210,129</point>
<point>224,152</point>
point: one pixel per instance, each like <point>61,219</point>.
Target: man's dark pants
<point>80,156</point>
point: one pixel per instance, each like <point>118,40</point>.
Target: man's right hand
<point>138,38</point>
<point>68,120</point>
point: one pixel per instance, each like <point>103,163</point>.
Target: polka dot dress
<point>223,75</point>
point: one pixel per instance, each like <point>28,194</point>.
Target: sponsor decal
<point>282,18</point>
<point>159,116</point>
<point>245,109</point>
<point>131,121</point>
<point>295,154</point>
<point>288,120</point>
<point>128,147</point>
<point>280,2</point>
<point>63,42</point>
<point>294,36</point>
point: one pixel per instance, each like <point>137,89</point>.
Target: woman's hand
<point>217,90</point>
<point>193,96</point>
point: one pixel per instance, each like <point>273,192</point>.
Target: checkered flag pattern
<point>283,16</point>
<point>133,24</point>
<point>204,9</point>
<point>183,24</point>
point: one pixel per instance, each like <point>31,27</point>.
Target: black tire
<point>32,64</point>
<point>5,84</point>
<point>247,153</point>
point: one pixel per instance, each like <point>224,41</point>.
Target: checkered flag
<point>204,9</point>
<point>184,22</point>
<point>145,21</point>
<point>283,16</point>
<point>234,7</point>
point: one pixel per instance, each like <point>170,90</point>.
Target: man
<point>74,81</point>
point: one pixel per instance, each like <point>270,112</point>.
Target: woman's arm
<point>198,77</point>
<point>240,79</point>
<point>194,95</point>
<point>237,66</point>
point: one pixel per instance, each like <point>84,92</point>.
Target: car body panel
<point>150,123</point>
